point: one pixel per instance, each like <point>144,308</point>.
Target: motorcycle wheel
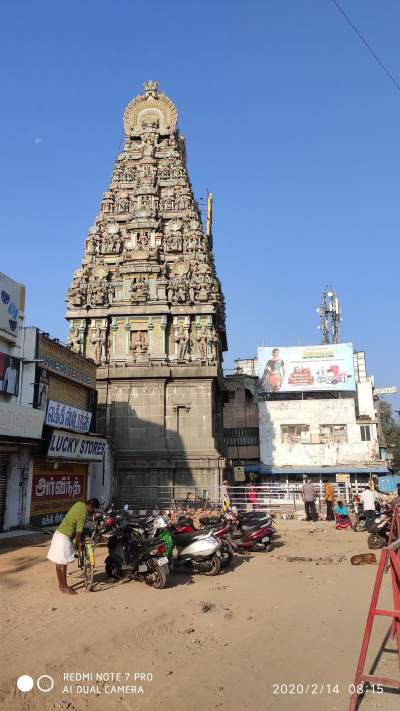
<point>215,566</point>
<point>375,541</point>
<point>157,578</point>
<point>360,526</point>
<point>112,568</point>
<point>226,557</point>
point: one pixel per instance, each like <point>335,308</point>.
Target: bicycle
<point>86,557</point>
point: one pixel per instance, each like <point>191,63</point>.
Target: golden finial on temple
<point>151,88</point>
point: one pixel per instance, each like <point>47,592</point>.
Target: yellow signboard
<point>342,478</point>
<point>239,473</point>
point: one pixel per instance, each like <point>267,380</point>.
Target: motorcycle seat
<point>246,527</point>
<point>148,542</point>
<point>184,539</point>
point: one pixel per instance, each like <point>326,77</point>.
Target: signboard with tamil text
<point>54,491</point>
<point>306,368</point>
<point>70,445</point>
<point>17,421</point>
<point>67,417</point>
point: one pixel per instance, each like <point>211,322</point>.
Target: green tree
<point>391,432</point>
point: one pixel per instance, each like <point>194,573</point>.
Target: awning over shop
<point>270,470</point>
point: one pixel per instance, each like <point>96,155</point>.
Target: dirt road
<point>230,642</point>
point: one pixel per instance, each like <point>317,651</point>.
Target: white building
<point>319,433</point>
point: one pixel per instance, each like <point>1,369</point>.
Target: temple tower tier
<point>146,305</point>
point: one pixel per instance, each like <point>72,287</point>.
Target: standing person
<point>252,496</point>
<point>309,494</point>
<point>368,501</point>
<point>66,540</point>
<point>225,495</point>
<point>329,495</point>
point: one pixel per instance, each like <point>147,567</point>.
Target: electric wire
<point>367,45</point>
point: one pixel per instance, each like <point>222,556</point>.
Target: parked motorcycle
<point>360,524</point>
<point>220,530</point>
<point>200,552</point>
<point>144,559</point>
<point>379,532</point>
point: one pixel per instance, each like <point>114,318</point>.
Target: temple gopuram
<point>146,305</point>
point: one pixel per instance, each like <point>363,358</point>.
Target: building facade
<point>241,420</point>
<point>323,432</point>
<point>50,454</point>
<point>147,307</point>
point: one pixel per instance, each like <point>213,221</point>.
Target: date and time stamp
<point>322,689</point>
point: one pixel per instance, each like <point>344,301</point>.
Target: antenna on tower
<point>330,315</point>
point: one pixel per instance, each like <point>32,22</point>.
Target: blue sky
<point>288,120</point>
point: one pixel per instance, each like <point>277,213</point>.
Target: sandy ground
<point>228,642</point>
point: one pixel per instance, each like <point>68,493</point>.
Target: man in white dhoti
<point>66,540</point>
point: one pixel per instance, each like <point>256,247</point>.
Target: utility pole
<point>330,316</point>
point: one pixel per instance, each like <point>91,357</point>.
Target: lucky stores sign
<point>69,445</point>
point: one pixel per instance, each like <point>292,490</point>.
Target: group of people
<point>338,513</point>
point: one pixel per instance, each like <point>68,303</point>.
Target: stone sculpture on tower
<point>147,307</point>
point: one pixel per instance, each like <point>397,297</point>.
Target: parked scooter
<point>199,553</point>
<point>379,532</point>
<point>221,530</point>
<point>143,559</point>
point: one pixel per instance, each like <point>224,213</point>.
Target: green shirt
<point>74,521</point>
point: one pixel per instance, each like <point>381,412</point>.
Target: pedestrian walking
<point>309,494</point>
<point>368,501</point>
<point>66,540</point>
<point>329,495</point>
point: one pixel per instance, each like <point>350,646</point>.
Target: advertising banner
<point>67,417</point>
<point>55,491</point>
<point>12,301</point>
<point>41,389</point>
<point>16,421</point>
<point>306,368</point>
<point>68,445</point>
<point>66,363</point>
<point>9,374</point>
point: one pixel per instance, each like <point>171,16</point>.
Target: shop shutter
<point>3,486</point>
<point>67,392</point>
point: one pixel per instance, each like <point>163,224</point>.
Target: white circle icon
<point>48,684</point>
<point>25,683</point>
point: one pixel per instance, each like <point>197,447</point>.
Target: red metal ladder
<point>389,560</point>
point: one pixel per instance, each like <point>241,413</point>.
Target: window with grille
<point>241,436</point>
<point>332,433</point>
<point>295,433</point>
<point>365,433</point>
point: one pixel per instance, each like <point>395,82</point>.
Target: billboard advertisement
<point>12,301</point>
<point>9,374</point>
<point>54,491</point>
<point>306,368</point>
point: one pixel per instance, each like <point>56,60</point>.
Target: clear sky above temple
<point>288,120</point>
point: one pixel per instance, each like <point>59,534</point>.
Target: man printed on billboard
<point>274,373</point>
<point>10,380</point>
